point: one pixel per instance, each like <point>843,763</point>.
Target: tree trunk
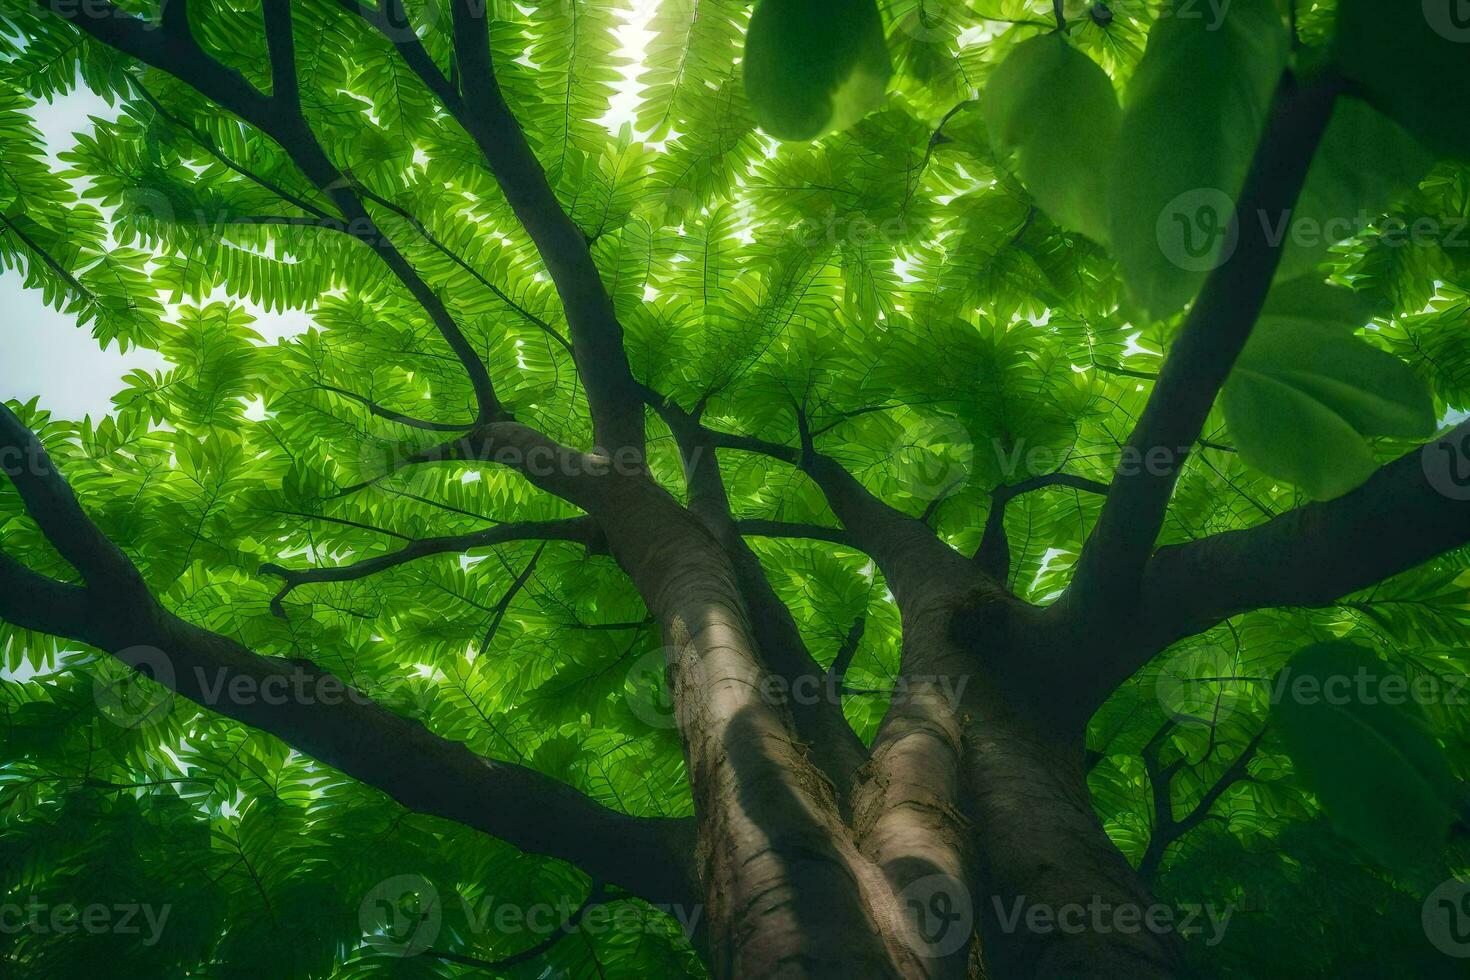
<point>788,894</point>
<point>1058,899</point>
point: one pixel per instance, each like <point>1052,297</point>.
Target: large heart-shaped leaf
<point>1357,739</point>
<point>1364,161</point>
<point>1306,393</point>
<point>1057,109</point>
<point>1412,59</point>
<point>814,66</point>
<point>1195,110</point>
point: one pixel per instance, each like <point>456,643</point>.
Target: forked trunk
<point>970,820</point>
<point>787,892</point>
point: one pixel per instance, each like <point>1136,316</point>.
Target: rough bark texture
<point>1042,847</point>
<point>816,856</point>
<point>789,895</point>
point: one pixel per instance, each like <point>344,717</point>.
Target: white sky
<point>47,355</point>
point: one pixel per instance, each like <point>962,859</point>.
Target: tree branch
<point>994,553</point>
<point>281,45</point>
<point>756,527</point>
<point>596,334</point>
<point>1167,829</point>
<point>908,551</point>
<point>279,116</point>
<point>209,147</point>
<point>597,896</point>
<point>391,21</point>
<point>576,529</point>
<point>454,257</point>
<point>1111,566</point>
<point>331,721</point>
<point>497,615</point>
<point>834,746</point>
<point>848,651</point>
<point>54,507</point>
<point>392,416</point>
<point>1409,512</point>
<point>172,49</point>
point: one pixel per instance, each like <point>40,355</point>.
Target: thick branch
<point>1213,335</point>
<point>54,507</point>
<point>281,44</point>
<point>1409,512</point>
<point>329,721</point>
<point>908,551</point>
<point>172,49</point>
<point>834,746</point>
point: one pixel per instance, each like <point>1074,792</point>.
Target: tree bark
<point>1057,897</point>
<point>816,856</point>
<point>788,893</point>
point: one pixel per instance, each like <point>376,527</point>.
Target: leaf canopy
<point>919,289</point>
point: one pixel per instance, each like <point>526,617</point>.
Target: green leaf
<point>1365,160</point>
<point>814,66</point>
<point>1194,114</point>
<point>1356,738</point>
<point>1412,59</point>
<point>1306,393</point>
<point>1056,107</point>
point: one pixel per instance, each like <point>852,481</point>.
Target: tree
<point>827,559</point>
